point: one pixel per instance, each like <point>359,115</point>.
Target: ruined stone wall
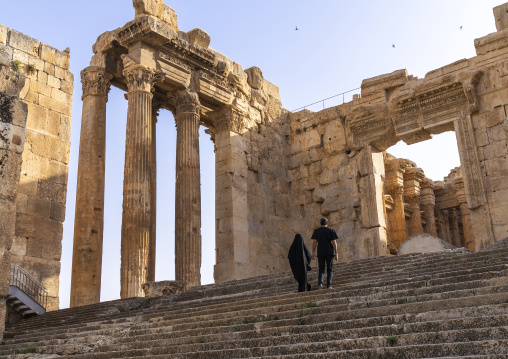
<point>12,140</point>
<point>253,229</point>
<point>328,179</point>
<point>40,204</point>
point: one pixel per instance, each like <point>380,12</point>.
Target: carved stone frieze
<point>473,179</point>
<point>96,82</point>
<point>213,87</point>
<point>370,124</point>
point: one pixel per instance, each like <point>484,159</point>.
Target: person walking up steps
<point>325,240</point>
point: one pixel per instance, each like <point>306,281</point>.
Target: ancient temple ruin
<point>277,172</point>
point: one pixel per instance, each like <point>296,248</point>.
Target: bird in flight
<point>296,28</point>
<point>461,27</point>
<point>393,45</point>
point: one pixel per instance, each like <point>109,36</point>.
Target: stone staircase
<point>451,304</point>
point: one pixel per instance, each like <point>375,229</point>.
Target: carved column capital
<point>141,78</point>
<point>185,102</point>
<point>396,189</point>
<point>230,119</point>
<point>96,81</point>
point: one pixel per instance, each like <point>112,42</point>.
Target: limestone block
<point>52,191</point>
<point>5,55</point>
<point>505,126</point>
<point>54,56</point>
<point>24,43</point>
<point>66,87</point>
<point>10,168</point>
<point>48,146</point>
<point>53,82</point>
<point>372,204</point>
<point>163,288</point>
<point>148,8</point>
<point>7,224</point>
<point>496,149</point>
<point>3,34</point>
<point>30,226</point>
<point>496,133</point>
<point>57,211</point>
<point>423,243</point>
<point>49,68</point>
<point>169,17</point>
<point>19,246</point>
<point>46,248</point>
<point>318,195</point>
<point>501,16</point>
<point>199,37</point>
<point>62,107</point>
<point>38,207</point>
<point>40,88</point>
<point>42,77</point>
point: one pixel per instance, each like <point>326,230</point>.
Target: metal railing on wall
<point>29,285</point>
<point>343,94</point>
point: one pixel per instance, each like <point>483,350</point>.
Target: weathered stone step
<point>293,334</point>
<point>446,344</point>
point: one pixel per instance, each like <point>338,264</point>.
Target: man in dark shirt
<point>325,240</point>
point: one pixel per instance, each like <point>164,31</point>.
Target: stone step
<point>491,341</point>
<point>308,294</point>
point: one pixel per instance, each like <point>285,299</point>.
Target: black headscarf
<point>299,259</point>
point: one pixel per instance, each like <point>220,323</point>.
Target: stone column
<point>137,188</point>
<point>394,182</point>
<point>460,194</point>
<point>428,203</point>
<point>188,190</point>
<point>89,217</point>
<point>153,190</point>
<point>412,179</point>
<point>454,227</point>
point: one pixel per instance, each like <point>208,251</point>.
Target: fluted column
<point>188,190</point>
<point>89,217</point>
<point>412,179</point>
<point>153,185</point>
<point>467,226</point>
<point>454,227</point>
<point>137,188</point>
<point>428,203</point>
<point>394,181</point>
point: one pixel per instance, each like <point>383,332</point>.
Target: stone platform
<point>450,304</point>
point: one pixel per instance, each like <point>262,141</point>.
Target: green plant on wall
<point>16,65</point>
<point>30,69</point>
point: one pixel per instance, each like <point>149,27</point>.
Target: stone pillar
<point>137,195</point>
<point>89,215</point>
<point>153,190</point>
<point>428,203</point>
<point>412,179</point>
<point>460,194</point>
<point>188,190</point>
<point>394,184</point>
<point>454,227</point>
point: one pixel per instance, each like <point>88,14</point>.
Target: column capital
<point>230,119</point>
<point>141,78</point>
<point>185,101</point>
<point>96,81</point>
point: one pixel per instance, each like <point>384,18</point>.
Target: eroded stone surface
<point>163,288</point>
<point>423,243</point>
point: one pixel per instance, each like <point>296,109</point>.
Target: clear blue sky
<point>339,44</point>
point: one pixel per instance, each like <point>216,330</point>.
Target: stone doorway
<point>432,181</point>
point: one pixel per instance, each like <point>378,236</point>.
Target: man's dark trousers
<point>329,271</point>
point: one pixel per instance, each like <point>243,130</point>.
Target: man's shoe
<point>329,287</point>
<point>320,286</point>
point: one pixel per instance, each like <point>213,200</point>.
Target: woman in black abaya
<point>299,260</point>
